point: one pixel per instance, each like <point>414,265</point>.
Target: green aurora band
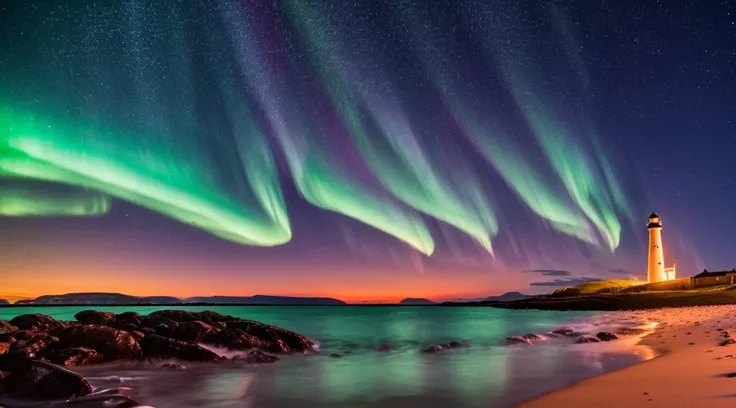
<point>236,193</point>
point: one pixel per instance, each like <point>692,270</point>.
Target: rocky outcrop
<point>606,336</point>
<point>233,339</point>
<point>158,347</point>
<point>587,339</point>
<point>95,317</point>
<point>77,356</point>
<point>112,343</point>
<point>446,346</point>
<point>517,340</point>
<point>41,380</point>
<point>36,322</point>
<point>6,327</point>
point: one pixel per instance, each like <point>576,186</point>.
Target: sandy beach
<point>692,371</point>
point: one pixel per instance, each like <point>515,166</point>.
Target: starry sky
<point>366,150</point>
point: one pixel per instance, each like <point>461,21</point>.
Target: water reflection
<point>488,374</point>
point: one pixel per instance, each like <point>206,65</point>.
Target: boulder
<point>435,348</point>
<point>533,337</point>
<point>461,344</point>
<point>606,336</point>
<point>587,339</point>
<point>128,319</point>
<point>112,343</point>
<point>159,347</point>
<point>192,331</point>
<point>41,380</point>
<point>77,356</point>
<point>282,340</point>
<point>32,347</point>
<point>95,317</point>
<point>517,340</point>
<point>256,357</point>
<point>160,325</point>
<point>563,332</point>
<point>233,339</point>
<point>728,342</point>
<point>181,316</point>
<point>6,328</point>
<point>4,348</point>
<point>137,335</point>
<point>36,322</point>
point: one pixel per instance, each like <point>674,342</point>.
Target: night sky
<point>365,150</point>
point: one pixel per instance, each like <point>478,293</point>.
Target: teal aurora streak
<point>398,176</point>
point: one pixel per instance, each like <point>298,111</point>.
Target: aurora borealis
<point>401,139</point>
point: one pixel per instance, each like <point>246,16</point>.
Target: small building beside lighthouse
<point>656,271</point>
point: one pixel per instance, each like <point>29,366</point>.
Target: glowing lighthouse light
<point>656,272</point>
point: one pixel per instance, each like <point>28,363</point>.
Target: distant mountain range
<point>509,296</point>
<point>266,300</point>
<point>120,299</point>
<point>416,301</point>
<point>4,302</point>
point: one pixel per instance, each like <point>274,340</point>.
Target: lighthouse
<point>655,269</point>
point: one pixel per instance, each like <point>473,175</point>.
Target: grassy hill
<point>612,286</point>
<point>620,294</point>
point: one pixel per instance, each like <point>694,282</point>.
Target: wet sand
<point>692,371</point>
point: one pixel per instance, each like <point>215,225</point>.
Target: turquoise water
<point>488,374</point>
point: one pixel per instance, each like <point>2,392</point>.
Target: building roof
<point>653,216</point>
<point>706,274</point>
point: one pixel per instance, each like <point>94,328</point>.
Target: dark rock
<point>282,340</point>
<point>384,347</point>
<point>36,321</point>
<point>112,343</point>
<point>6,328</point>
<point>233,339</point>
<point>725,335</point>
<point>728,342</point>
<point>137,335</point>
<point>606,336</point>
<point>461,344</point>
<point>335,355</point>
<point>159,347</point>
<point>517,340</point>
<point>147,331</point>
<point>41,380</point>
<point>563,332</point>
<point>32,347</point>
<point>78,356</point>
<point>181,316</point>
<point>129,327</point>
<point>128,319</point>
<point>24,334</point>
<point>257,357</point>
<point>161,325</point>
<point>587,339</point>
<point>192,331</point>
<point>174,366</point>
<point>434,348</point>
<point>533,337</point>
<point>95,317</point>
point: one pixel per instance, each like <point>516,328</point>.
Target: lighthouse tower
<point>655,269</point>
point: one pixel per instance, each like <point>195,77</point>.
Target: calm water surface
<point>489,374</point>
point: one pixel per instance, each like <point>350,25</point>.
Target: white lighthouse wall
<point>655,269</point>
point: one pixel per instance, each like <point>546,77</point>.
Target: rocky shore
<point>35,350</point>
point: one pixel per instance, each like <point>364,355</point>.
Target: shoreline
<point>691,371</point>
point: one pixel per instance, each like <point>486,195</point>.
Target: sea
<point>491,373</point>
